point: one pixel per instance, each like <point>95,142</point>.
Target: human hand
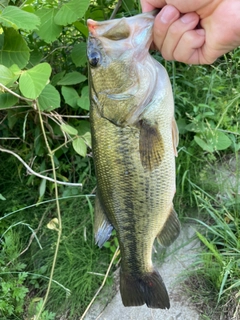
<point>176,36</point>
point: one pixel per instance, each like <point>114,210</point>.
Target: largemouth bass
<point>134,140</point>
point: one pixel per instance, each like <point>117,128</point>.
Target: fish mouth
<point>120,29</point>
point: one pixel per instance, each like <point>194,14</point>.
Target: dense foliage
<point>44,109</point>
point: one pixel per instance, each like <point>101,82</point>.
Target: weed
<point>220,258</point>
<point>12,277</point>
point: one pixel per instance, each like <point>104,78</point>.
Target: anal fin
<point>102,227</point>
<point>170,230</point>
<point>151,145</point>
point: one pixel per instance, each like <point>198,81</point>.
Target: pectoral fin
<point>170,230</point>
<point>102,227</point>
<point>151,146</point>
<point>175,136</point>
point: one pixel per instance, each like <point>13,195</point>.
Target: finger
<point>149,5</point>
<point>190,48</point>
<point>175,32</point>
<point>192,6</point>
<point>166,17</point>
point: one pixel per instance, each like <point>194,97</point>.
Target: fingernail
<point>168,13</point>
<point>201,32</point>
<point>187,18</point>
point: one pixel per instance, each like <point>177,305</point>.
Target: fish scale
<point>134,139</point>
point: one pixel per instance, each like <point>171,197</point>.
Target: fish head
<point>115,45</point>
<point>120,76</point>
<point>112,39</point>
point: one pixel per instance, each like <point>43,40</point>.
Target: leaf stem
<point>58,214</point>
<point>15,94</point>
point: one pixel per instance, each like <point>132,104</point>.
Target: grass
<point>80,263</point>
<point>78,259</point>
<point>219,262</point>
<point>206,99</point>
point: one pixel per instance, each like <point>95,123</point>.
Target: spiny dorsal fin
<point>102,227</point>
<point>175,136</point>
<point>170,230</point>
<point>151,146</point>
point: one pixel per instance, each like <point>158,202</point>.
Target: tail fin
<point>147,288</point>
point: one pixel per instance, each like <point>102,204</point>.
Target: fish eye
<point>94,58</point>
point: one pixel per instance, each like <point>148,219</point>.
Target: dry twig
<point>118,5</point>
<point>102,285</point>
<point>38,174</point>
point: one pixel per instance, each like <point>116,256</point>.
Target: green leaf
<point>16,70</point>
<point>72,78</point>
<point>42,188</point>
<point>83,127</point>
<point>82,28</point>
<point>14,17</point>
<point>71,11</point>
<point>107,244</point>
<point>35,57</point>
<point>181,124</point>
<point>9,75</point>
<point>70,96</point>
<point>87,138</point>
<point>80,146</point>
<point>197,126</point>
<point>49,98</point>
<point>34,80</point>
<point>97,14</point>
<point>7,100</point>
<point>57,77</point>
<point>69,129</point>
<point>48,30</point>
<point>2,197</point>
<point>84,101</point>
<point>203,144</point>
<point>79,56</point>
<point>6,75</point>
<point>12,118</point>
<point>222,141</point>
<point>128,5</point>
<point>4,3</point>
<point>213,140</point>
<point>13,49</point>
